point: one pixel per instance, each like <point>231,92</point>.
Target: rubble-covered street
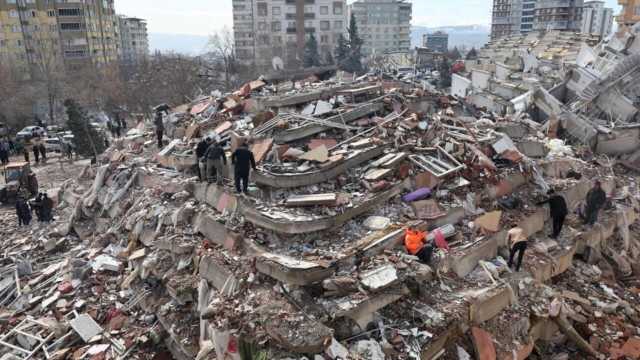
<point>145,261</point>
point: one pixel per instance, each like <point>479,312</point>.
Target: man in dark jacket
<point>23,211</point>
<point>201,150</point>
<point>159,128</point>
<point>596,199</point>
<point>43,152</point>
<point>559,211</point>
<point>243,161</point>
<point>216,160</point>
<point>47,208</point>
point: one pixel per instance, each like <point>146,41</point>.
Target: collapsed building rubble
<point>310,263</point>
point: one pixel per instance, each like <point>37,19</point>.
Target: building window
<point>337,8</point>
<point>324,39</point>
<point>51,13</point>
<point>262,26</point>
<point>324,10</point>
<point>325,25</point>
<point>70,26</point>
<point>275,10</point>
<point>337,25</point>
<point>69,12</point>
<point>263,9</point>
<point>276,26</point>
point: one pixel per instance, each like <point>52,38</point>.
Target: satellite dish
<point>277,63</point>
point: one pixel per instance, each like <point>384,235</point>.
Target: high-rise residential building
<point>558,15</point>
<point>74,32</point>
<point>511,17</point>
<point>266,31</point>
<point>597,19</point>
<point>630,14</point>
<point>384,25</point>
<point>134,40</point>
<point>437,41</point>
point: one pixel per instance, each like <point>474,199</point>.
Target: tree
<point>328,59</point>
<point>445,73</point>
<point>455,54</point>
<point>311,55</point>
<point>349,51</point>
<point>342,50</point>
<point>87,140</point>
<point>472,54</point>
<point>221,48</point>
<point>49,69</point>
<point>15,99</point>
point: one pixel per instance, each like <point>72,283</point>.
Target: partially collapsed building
<point>310,264</point>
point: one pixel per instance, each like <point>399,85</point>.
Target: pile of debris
<point>310,263</point>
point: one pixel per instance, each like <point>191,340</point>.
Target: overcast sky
<point>203,17</point>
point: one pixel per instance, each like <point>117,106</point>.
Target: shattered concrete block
<point>483,343</point>
<point>379,278</point>
<point>86,327</point>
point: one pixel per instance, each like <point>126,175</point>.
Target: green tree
<point>445,73</point>
<point>472,54</point>
<point>349,51</point>
<point>342,50</point>
<point>328,59</point>
<point>311,55</point>
<point>87,140</point>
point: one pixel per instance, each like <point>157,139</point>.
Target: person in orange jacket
<point>415,243</point>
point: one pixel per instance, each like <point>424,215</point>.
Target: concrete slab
<point>86,327</point>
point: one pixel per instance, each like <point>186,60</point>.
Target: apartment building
<point>134,40</point>
<point>437,41</point>
<point>558,15</point>
<point>268,30</point>
<point>510,17</point>
<point>597,19</point>
<point>384,25</point>
<point>630,14</point>
<point>76,32</point>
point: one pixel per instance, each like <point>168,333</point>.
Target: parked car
<point>53,144</point>
<point>30,131</point>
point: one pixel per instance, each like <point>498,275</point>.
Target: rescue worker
<point>596,199</point>
<point>4,152</point>
<point>559,211</point>
<point>159,128</point>
<point>216,160</point>
<point>23,211</point>
<point>36,152</point>
<point>37,205</point>
<point>518,243</point>
<point>243,162</point>
<point>201,150</point>
<point>47,208</point>
<point>414,243</point>
<point>43,152</point>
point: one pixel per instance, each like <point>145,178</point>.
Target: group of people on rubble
<point>212,161</point>
<point>43,206</point>
<point>6,147</point>
<point>417,245</point>
<point>38,148</point>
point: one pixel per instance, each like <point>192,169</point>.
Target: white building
<point>134,40</point>
<point>597,19</point>
<point>384,25</point>
<point>265,30</point>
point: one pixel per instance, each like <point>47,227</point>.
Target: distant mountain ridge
<point>180,43</point>
<point>464,35</point>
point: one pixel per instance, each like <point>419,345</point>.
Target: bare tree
<point>221,51</point>
<point>15,98</point>
<point>48,68</point>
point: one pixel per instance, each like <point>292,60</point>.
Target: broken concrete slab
<point>292,271</point>
<point>86,327</point>
<point>312,200</point>
<point>379,278</point>
<point>483,344</point>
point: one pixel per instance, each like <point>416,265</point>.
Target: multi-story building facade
<point>134,40</point>
<point>74,33</point>
<point>522,16</point>
<point>267,30</point>
<point>384,25</point>
<point>630,14</point>
<point>558,15</point>
<point>437,41</point>
<point>597,19</point>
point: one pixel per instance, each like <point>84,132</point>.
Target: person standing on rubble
<point>216,161</point>
<point>243,162</point>
<point>518,242</point>
<point>43,152</point>
<point>47,208</point>
<point>201,150</point>
<point>4,152</point>
<point>559,211</point>
<point>23,211</point>
<point>159,128</point>
<point>596,199</point>
<point>36,151</point>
